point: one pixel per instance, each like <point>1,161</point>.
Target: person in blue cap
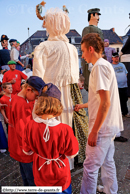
<point>50,141</point>
<point>21,111</point>
<point>4,53</point>
<point>14,55</point>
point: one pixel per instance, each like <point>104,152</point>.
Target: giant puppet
<point>4,53</point>
<point>93,19</point>
<point>56,61</point>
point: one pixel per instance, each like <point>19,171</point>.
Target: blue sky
<point>17,15</point>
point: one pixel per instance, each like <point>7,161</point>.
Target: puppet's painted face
<point>15,44</point>
<point>106,44</point>
<point>95,19</point>
<point>4,43</point>
<point>18,48</point>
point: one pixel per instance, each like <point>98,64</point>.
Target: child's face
<point>80,84</point>
<point>31,95</point>
<point>8,89</point>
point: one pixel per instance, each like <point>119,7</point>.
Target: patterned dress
<point>80,122</point>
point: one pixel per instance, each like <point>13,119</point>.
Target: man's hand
<point>12,81</point>
<point>6,120</point>
<point>92,139</point>
<point>77,107</point>
<point>22,65</point>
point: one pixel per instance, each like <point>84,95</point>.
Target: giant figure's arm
<point>39,61</point>
<point>14,55</point>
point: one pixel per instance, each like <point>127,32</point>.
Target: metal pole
<point>28,32</point>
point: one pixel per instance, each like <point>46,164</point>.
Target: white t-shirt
<point>121,71</point>
<point>1,77</point>
<point>27,72</point>
<point>103,77</point>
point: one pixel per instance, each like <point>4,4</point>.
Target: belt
<point>48,161</point>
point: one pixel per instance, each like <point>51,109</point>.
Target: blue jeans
<point>27,173</point>
<point>67,191</point>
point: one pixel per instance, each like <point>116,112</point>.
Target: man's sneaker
<point>100,188</point>
<point>121,139</point>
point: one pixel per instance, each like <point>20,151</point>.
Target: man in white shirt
<point>103,123</point>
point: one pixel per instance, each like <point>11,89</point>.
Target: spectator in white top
<point>103,104</point>
<point>28,71</point>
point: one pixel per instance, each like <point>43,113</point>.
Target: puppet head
<point>93,16</point>
<point>4,41</point>
<point>106,42</point>
<point>57,24</point>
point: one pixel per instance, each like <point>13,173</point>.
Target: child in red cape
<point>50,141</point>
<point>20,112</point>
